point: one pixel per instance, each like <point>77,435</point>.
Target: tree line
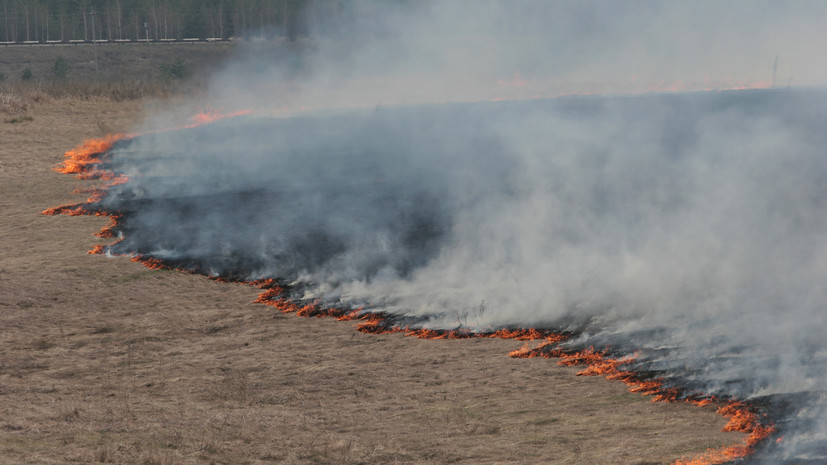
<point>111,20</point>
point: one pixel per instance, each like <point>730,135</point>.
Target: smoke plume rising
<point>689,226</point>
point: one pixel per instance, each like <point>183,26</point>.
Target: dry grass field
<point>105,361</point>
<point>134,62</point>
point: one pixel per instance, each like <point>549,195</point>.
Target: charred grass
<point>105,361</point>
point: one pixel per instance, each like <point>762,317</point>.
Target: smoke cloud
<point>689,226</point>
<point>371,53</point>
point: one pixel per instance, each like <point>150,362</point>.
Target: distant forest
<point>119,20</point>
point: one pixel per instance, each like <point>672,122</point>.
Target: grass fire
<point>506,226</point>
<point>348,216</point>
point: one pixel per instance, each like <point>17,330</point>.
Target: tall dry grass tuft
<point>14,104</point>
<point>116,91</point>
<point>19,98</point>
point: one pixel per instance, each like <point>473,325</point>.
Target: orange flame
<point>151,263</point>
<point>741,417</point>
<point>81,160</point>
<point>97,250</point>
<point>108,232</point>
<point>209,116</point>
<point>377,322</point>
<point>84,163</point>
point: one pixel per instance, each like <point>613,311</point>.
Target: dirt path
<point>103,360</point>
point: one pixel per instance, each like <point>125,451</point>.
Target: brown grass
<point>114,91</point>
<point>123,71</point>
<point>104,361</point>
<point>14,104</point>
<point>18,99</point>
<point>115,62</point>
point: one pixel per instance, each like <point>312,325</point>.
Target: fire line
<point>84,162</point>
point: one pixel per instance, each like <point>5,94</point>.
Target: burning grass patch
<point>550,343</point>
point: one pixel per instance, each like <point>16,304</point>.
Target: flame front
<point>84,162</point>
<point>209,116</point>
<point>741,417</point>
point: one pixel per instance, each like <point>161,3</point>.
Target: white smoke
<point>374,53</point>
<point>691,226</point>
